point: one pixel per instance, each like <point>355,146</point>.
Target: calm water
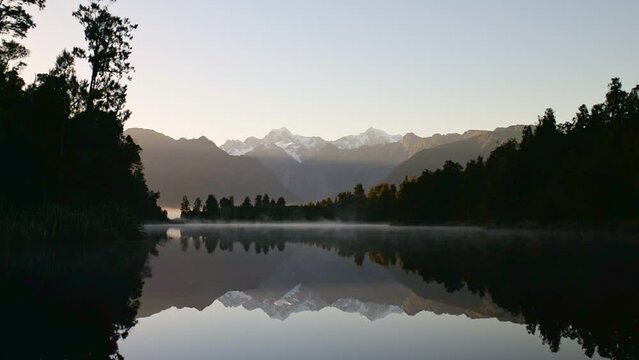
<point>327,292</point>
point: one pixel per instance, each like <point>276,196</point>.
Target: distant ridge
<point>369,137</point>
<point>197,167</point>
<point>459,148</point>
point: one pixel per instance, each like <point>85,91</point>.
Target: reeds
<point>57,222</point>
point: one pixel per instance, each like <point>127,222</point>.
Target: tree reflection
<point>70,301</point>
<point>580,287</point>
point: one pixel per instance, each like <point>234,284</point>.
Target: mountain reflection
<point>578,286</point>
<point>293,278</point>
<point>89,299</point>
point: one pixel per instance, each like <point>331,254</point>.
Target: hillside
<point>197,167</point>
<point>468,146</point>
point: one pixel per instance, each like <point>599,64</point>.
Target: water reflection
<point>576,288</point>
<point>70,300</point>
<point>281,292</point>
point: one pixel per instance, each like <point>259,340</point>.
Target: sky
<point>237,68</point>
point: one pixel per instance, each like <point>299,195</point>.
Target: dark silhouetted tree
<point>15,23</point>
<point>108,50</point>
<point>185,208</point>
<point>211,208</point>
<point>62,152</point>
<point>196,212</point>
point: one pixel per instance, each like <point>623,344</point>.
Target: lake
<point>328,291</point>
<point>375,292</point>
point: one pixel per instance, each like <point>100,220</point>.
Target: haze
<point>232,69</point>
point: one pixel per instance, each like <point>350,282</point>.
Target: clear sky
<point>235,68</point>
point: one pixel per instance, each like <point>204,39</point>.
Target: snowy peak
<point>369,137</point>
<point>294,301</point>
<point>371,311</point>
<point>236,147</point>
<point>301,147</point>
<point>278,135</point>
<point>300,299</point>
<point>298,147</point>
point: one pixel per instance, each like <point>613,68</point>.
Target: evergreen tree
<point>281,202</point>
<point>227,208</point>
<point>108,50</point>
<point>196,213</point>
<point>185,208</point>
<point>15,23</point>
<point>211,208</point>
<point>62,136</point>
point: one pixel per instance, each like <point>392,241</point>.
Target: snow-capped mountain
<point>301,147</point>
<point>236,147</point>
<point>371,311</point>
<point>369,137</point>
<point>299,299</point>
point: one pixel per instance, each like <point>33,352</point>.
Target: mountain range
<point>302,148</point>
<point>301,168</point>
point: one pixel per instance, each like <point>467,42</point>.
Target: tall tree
<point>185,207</point>
<point>15,22</point>
<point>281,202</point>
<point>108,50</point>
<point>196,212</point>
<point>211,208</point>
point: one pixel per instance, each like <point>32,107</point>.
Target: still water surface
<point>377,292</point>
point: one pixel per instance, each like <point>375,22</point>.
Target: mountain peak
<point>300,299</point>
<point>371,136</point>
<point>298,147</point>
<point>372,130</point>
<point>202,140</point>
<point>236,147</point>
<point>283,131</point>
<point>141,132</point>
<point>302,148</point>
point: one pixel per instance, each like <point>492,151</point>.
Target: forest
<point>581,171</point>
<point>68,167</point>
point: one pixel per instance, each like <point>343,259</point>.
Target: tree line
<point>584,170</point>
<point>61,136</point>
<point>263,208</point>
